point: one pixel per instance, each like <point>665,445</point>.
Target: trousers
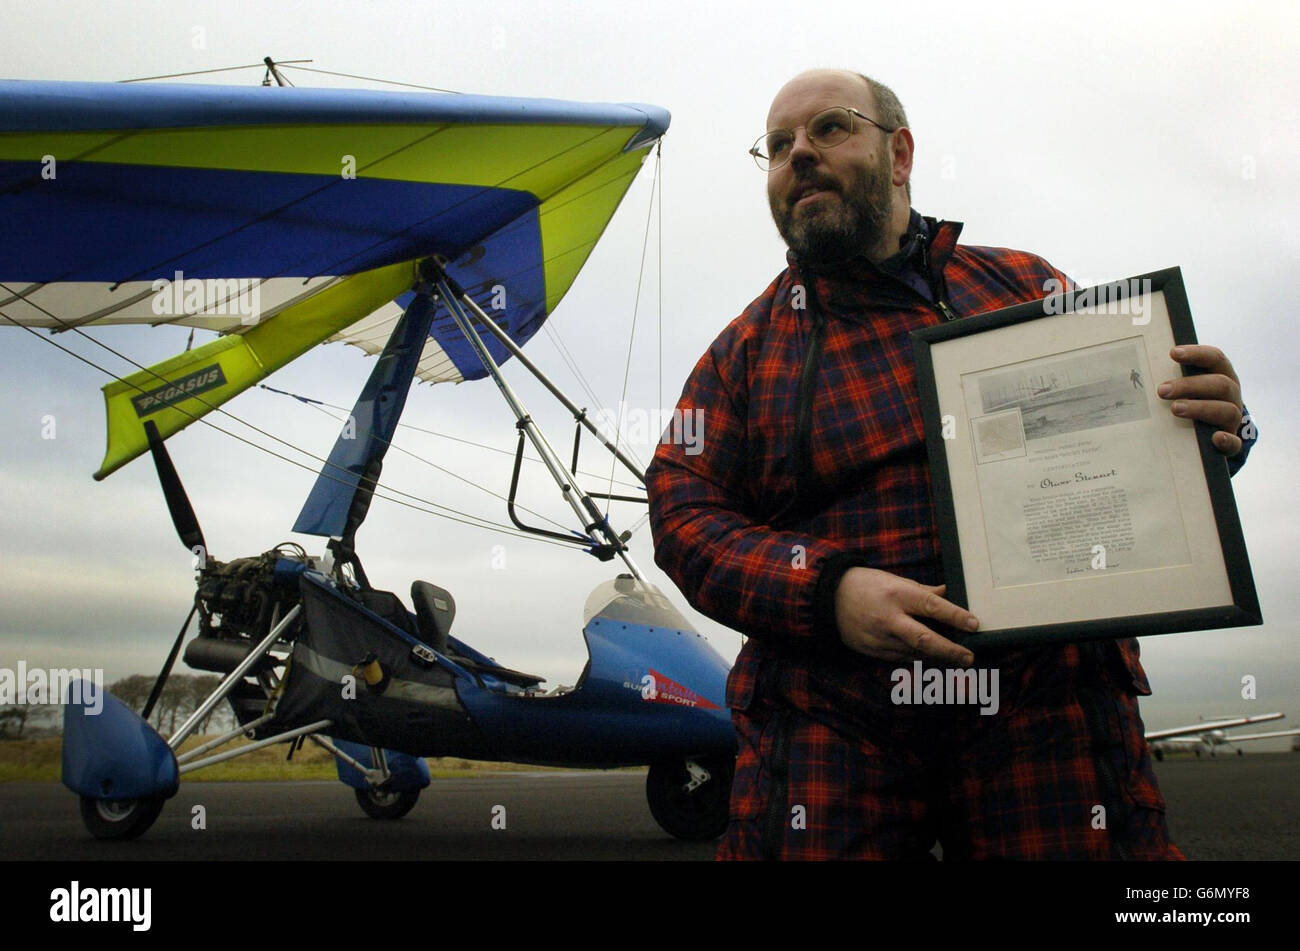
<point>1060,771</point>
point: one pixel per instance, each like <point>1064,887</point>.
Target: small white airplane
<point>1209,734</point>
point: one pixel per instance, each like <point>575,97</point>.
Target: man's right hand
<point>877,616</point>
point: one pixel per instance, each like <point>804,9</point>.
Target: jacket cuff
<point>833,570</point>
<point>1248,434</point>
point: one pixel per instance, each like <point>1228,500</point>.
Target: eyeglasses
<point>825,130</point>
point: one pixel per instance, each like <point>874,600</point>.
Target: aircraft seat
<point>435,609</point>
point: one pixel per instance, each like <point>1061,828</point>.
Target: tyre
<point>120,818</point>
<point>697,815</point>
<point>383,804</point>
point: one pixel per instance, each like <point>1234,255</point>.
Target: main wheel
<point>384,804</point>
<point>120,818</point>
<point>698,814</point>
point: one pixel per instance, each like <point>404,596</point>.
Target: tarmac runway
<point>1225,808</point>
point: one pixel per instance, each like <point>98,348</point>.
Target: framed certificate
<point>1071,503</point>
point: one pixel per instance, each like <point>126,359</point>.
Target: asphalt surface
<point>1226,808</point>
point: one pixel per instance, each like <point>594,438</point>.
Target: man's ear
<point>902,144</point>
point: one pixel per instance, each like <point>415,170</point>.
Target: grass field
<point>41,760</point>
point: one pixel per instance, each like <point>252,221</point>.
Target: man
<point>805,523</point>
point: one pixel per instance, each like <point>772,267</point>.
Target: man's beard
<point>843,230</point>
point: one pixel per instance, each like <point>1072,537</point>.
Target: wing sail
<point>190,385</point>
<point>284,217</point>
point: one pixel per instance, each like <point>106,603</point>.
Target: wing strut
<point>341,497</point>
<point>589,515</point>
<point>579,415</point>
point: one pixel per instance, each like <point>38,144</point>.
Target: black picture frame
<point>1241,608</point>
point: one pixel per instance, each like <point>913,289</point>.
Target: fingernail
<point>1180,408</point>
<point>967,659</point>
<point>1178,352</point>
<point>972,623</point>
<point>1165,389</point>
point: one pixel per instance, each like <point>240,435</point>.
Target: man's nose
<point>802,151</point>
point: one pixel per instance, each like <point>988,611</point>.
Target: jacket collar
<point>926,241</point>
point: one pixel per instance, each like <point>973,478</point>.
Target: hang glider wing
<point>1208,726</point>
<point>1234,738</point>
<point>285,217</point>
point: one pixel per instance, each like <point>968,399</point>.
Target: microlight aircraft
<point>1209,735</point>
<point>438,232</point>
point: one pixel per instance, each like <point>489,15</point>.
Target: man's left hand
<point>1213,397</point>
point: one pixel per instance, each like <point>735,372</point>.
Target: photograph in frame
<point>1071,504</point>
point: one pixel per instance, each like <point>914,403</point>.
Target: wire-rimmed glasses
<point>825,130</point>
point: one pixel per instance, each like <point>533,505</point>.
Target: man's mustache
<point>805,184</point>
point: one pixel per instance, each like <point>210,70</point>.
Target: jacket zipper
<point>940,304</point>
<point>805,485</point>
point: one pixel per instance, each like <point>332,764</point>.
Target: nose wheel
<point>120,818</point>
<point>381,804</point>
<point>690,798</point>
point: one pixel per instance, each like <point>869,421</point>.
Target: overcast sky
<point>1113,139</point>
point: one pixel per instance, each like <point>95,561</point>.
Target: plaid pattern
<point>726,533</point>
<point>720,519</point>
<point>1060,772</point>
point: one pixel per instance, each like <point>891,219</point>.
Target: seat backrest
<point>435,609</point>
<point>389,607</point>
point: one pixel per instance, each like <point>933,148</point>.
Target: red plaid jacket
<point>729,527</point>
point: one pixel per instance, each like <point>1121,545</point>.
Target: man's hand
<point>877,611</point>
<point>1213,397</point>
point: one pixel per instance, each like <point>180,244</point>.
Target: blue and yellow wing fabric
<point>285,217</point>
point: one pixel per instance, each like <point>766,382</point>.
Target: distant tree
<point>15,716</point>
<point>173,701</point>
<point>199,688</point>
<point>181,696</point>
<point>132,690</point>
<point>44,717</point>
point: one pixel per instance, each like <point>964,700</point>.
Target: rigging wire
<point>636,306</point>
<point>121,356</point>
<point>200,72</point>
<point>466,518</point>
<point>571,362</point>
<point>316,405</point>
<point>431,432</point>
<point>371,79</point>
<point>659,268</point>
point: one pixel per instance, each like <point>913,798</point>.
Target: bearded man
<point>806,524</point>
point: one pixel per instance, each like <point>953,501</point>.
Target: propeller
<point>178,503</point>
<point>187,527</point>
